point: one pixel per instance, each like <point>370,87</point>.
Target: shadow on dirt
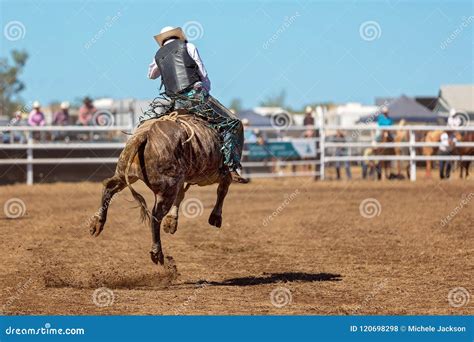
<point>272,278</point>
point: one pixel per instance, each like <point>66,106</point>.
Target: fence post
<point>322,141</point>
<point>412,156</point>
<point>29,158</point>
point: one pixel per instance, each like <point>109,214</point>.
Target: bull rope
<point>174,116</point>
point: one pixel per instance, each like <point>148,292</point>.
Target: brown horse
<point>465,151</point>
<point>435,136</point>
<point>385,165</point>
<point>402,136</point>
<point>430,137</point>
<point>168,155</point>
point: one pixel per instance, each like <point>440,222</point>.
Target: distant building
<point>268,111</point>
<point>254,119</point>
<point>428,102</point>
<point>125,111</point>
<point>348,114</point>
<point>403,108</point>
<point>278,115</point>
<point>456,98</point>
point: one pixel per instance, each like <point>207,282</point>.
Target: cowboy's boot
<point>236,177</point>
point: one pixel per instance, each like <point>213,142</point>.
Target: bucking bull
<point>169,155</point>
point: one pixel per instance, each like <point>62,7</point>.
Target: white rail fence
<point>271,167</point>
<point>30,144</point>
<point>412,144</point>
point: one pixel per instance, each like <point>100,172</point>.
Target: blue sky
<point>315,50</point>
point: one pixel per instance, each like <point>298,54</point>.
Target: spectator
<point>12,136</point>
<point>86,112</point>
<point>308,121</point>
<point>342,152</point>
<point>61,117</point>
<point>308,117</point>
<point>446,147</point>
<point>260,138</point>
<point>453,119</point>
<point>249,135</point>
<point>368,166</point>
<point>36,117</point>
<point>19,119</point>
<point>383,119</point>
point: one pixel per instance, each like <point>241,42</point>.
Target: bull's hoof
<point>157,256</point>
<point>215,220</point>
<point>169,224</point>
<point>95,226</point>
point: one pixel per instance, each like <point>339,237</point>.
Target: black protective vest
<point>178,70</point>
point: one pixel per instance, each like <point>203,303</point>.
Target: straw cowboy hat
<point>169,32</point>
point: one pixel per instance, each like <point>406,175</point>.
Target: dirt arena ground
<point>290,246</point>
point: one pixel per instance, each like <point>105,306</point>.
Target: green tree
<point>277,100</point>
<point>10,84</point>
<point>236,105</point>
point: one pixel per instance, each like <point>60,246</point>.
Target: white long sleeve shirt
<point>454,121</point>
<point>445,142</point>
<point>154,71</point>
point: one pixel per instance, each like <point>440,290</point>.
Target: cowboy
<point>86,112</point>
<point>383,119</point>
<point>36,117</point>
<point>250,135</point>
<point>308,117</point>
<point>61,117</point>
<point>454,119</point>
<point>342,152</point>
<point>446,147</point>
<point>308,122</point>
<point>187,86</point>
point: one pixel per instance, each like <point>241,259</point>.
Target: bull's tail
<point>144,212</point>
